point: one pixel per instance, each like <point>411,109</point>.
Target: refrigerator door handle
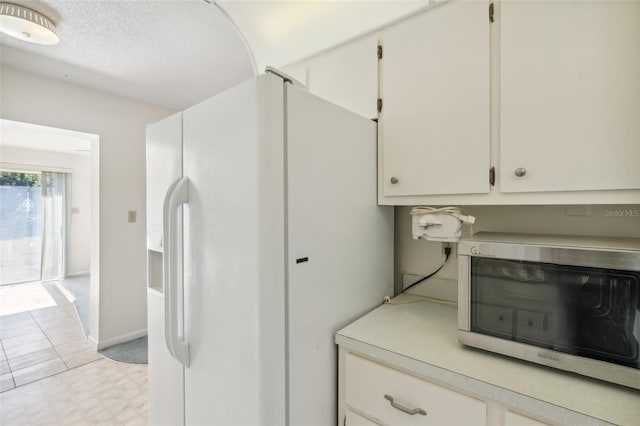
<point>177,195</point>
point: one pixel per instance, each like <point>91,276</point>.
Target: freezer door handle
<point>177,195</point>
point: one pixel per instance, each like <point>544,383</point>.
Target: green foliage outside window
<point>19,179</point>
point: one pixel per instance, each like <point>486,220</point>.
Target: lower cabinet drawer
<point>391,397</point>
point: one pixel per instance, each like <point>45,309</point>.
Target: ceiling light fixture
<point>27,25</point>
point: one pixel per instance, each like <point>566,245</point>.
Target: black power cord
<point>447,252</point>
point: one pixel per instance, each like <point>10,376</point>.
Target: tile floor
<point>50,375</point>
<point>40,342</point>
<point>102,392</point>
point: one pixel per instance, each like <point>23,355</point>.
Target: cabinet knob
<point>394,180</point>
<point>520,171</point>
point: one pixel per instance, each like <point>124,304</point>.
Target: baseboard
<point>103,344</point>
<point>77,274</point>
<point>93,343</point>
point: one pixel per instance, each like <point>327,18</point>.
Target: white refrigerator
<point>264,238</point>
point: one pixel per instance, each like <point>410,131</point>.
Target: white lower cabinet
<point>515,419</point>
<point>375,394</point>
<point>390,397</point>
<point>354,419</point>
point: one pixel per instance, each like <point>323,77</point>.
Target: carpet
<point>132,352</point>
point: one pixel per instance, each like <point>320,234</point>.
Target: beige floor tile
<point>32,391</point>
<point>137,421</point>
<point>54,388</point>
<point>43,416</point>
<point>98,414</point>
<point>12,342</point>
<point>98,392</point>
<point>37,406</point>
<point>6,382</point>
<point>28,348</point>
<point>43,312</point>
<point>10,402</point>
<point>9,332</point>
<point>4,367</point>
<point>71,347</point>
<point>80,358</point>
<point>58,322</point>
<point>49,316</point>
<point>62,339</point>
<point>116,405</point>
<point>38,371</point>
<point>64,329</point>
<point>127,414</point>
<point>16,418</point>
<point>74,420</point>
<point>63,399</point>
<point>13,323</point>
<point>140,402</point>
<point>4,319</point>
<point>67,409</point>
<point>33,358</point>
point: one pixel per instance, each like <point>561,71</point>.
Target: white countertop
<point>421,338</point>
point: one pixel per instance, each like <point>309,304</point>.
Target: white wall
<point>120,123</point>
<point>79,197</point>
<point>422,257</point>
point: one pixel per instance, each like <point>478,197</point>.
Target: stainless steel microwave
<point>571,303</point>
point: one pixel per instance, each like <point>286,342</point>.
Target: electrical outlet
<point>452,249</point>
<point>132,216</point>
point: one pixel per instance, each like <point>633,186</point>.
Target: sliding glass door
<point>32,226</point>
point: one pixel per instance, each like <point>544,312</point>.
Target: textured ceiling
<point>175,53</point>
<point>168,53</point>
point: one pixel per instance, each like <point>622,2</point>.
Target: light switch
<point>132,216</point>
<point>75,210</point>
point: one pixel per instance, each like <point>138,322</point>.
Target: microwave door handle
<point>177,195</point>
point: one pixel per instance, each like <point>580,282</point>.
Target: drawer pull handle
<point>403,408</point>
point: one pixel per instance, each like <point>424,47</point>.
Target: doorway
<point>49,221</point>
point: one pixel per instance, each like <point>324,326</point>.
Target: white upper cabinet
<point>434,83</point>
<point>348,76</point>
<point>570,95</point>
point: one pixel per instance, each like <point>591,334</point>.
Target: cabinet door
<point>348,76</point>
<point>570,95</point>
<point>435,90</point>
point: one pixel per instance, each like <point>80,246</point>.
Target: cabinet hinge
<point>491,7</point>
<point>379,52</point>
<point>492,176</point>
<point>379,105</point>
